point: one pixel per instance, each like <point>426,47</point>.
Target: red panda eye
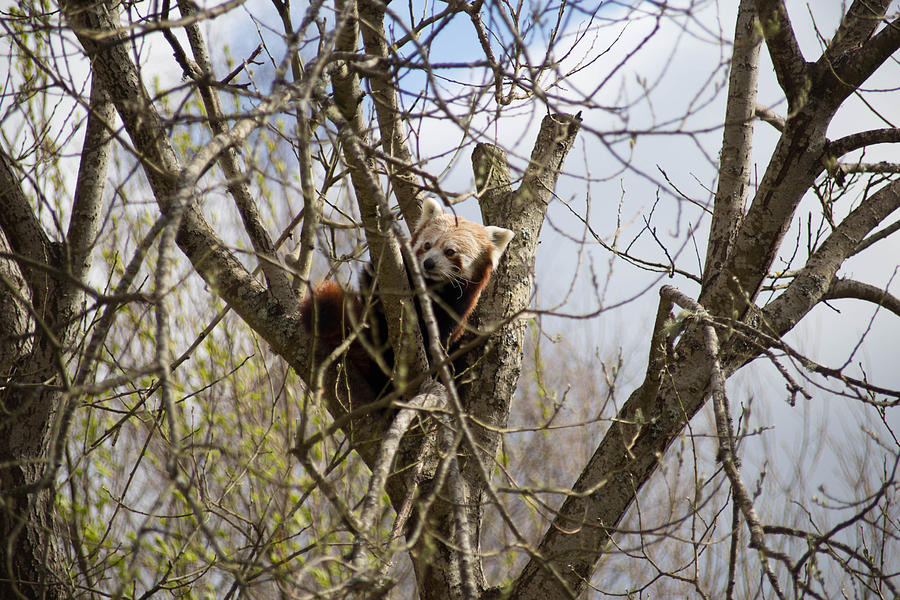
<point>427,245</point>
<point>449,252</point>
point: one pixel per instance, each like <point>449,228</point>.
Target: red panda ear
<point>430,209</point>
<point>499,238</point>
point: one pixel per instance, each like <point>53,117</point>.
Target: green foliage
<point>247,510</point>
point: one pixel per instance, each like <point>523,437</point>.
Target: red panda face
<point>450,247</point>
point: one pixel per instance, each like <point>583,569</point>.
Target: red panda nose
<point>428,264</point>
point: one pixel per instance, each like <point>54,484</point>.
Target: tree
<point>255,464</point>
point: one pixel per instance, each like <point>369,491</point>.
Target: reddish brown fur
<point>331,314</point>
<point>456,280</point>
<point>325,312</point>
<point>466,302</point>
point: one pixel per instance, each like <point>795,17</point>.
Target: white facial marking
<point>448,246</point>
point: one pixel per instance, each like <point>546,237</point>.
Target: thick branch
<point>877,237</point>
<point>856,27</point>
<point>848,288</point>
<point>737,141</point>
<point>659,350</point>
<point>13,316</point>
<point>384,251</point>
<point>29,563</point>
<point>509,291</point>
<point>83,228</point>
<point>276,277</point>
<point>496,373</point>
<point>855,141</point>
<point>794,165</point>
<point>790,66</point>
<point>812,282</point>
<point>797,159</point>
<point>387,111</point>
<point>32,441</point>
<point>23,232</point>
<point>842,76</point>
<point>624,460</point>
<point>87,203</point>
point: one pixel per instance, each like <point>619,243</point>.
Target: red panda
<point>456,257</point>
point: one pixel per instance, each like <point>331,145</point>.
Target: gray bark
<point>257,305</point>
<point>734,165</point>
<point>40,294</point>
<point>444,471</point>
<point>742,249</point>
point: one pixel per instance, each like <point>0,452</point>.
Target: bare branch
<point>849,288</point>
<point>790,66</point>
<point>817,541</point>
<point>24,232</point>
<point>850,70</point>
<point>301,258</point>
<point>387,109</point>
<point>477,477</point>
<point>856,27</point>
<point>789,175</point>
<point>88,199</point>
<point>471,582</point>
<point>855,141</point>
<point>770,117</point>
<point>813,280</point>
<point>860,167</point>
<point>580,533</point>
<point>509,291</point>
<point>727,457</point>
<point>726,453</point>
<point>759,339</point>
<point>276,277</point>
<point>101,329</point>
<point>82,231</point>
<point>790,172</point>
<point>737,141</point>
<point>432,396</point>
